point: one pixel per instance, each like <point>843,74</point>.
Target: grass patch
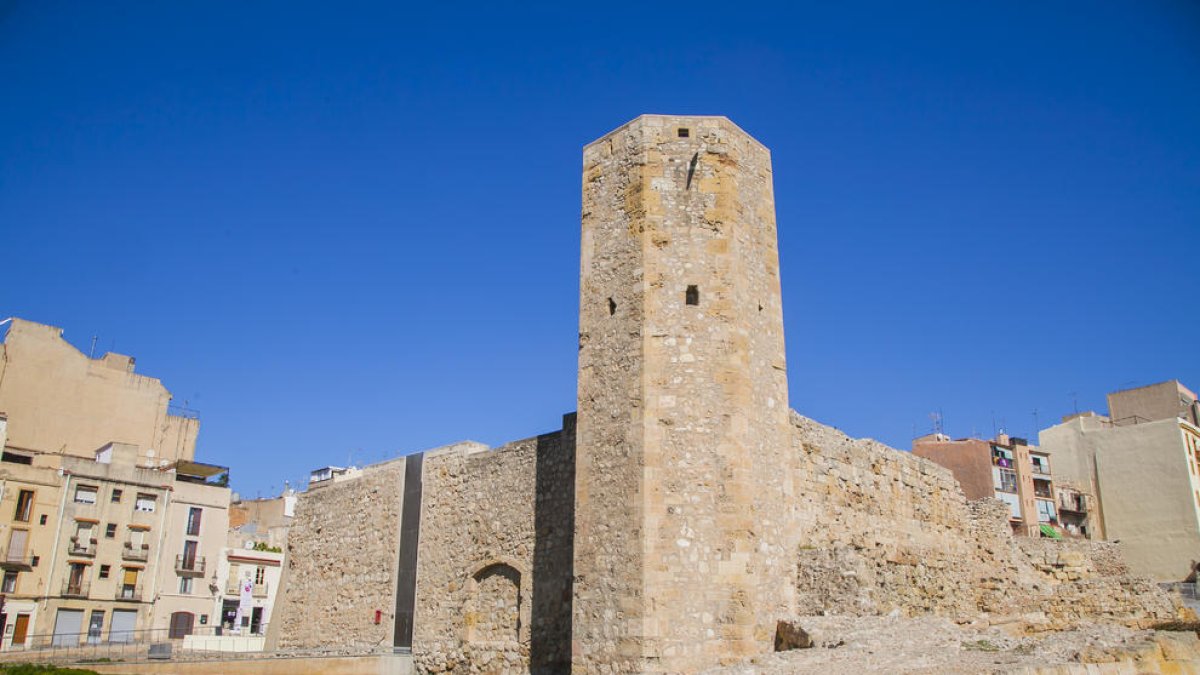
<point>41,669</point>
<point>980,646</point>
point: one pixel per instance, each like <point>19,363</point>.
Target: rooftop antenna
<point>1075,401</point>
<point>937,421</point>
<point>994,430</point>
<point>92,351</point>
<point>1036,425</point>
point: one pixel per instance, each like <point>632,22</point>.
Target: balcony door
<point>189,555</point>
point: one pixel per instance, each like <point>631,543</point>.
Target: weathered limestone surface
<point>684,484</point>
<point>342,555</point>
<point>886,532</point>
<point>494,564</point>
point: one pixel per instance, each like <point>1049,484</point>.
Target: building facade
<point>97,485</point>
<point>1014,472</point>
<point>1142,463</point>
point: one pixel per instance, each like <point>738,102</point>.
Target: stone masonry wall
<point>342,553</point>
<point>883,531</point>
<point>495,559</point>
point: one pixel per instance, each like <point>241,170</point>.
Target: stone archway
<point>497,609</point>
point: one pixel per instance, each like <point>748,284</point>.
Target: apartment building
<point>29,501</point>
<point>1009,469</point>
<point>97,485</point>
<point>197,524</point>
<point>1142,464</point>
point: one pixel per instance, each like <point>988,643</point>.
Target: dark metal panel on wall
<point>406,575</point>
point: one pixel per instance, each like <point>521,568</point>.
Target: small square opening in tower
<point>692,295</point>
<point>683,132</point>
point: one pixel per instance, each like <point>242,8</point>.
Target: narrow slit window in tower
<point>692,296</point>
<point>612,307</point>
<point>683,133</point>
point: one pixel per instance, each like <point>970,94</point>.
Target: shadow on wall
<point>553,551</point>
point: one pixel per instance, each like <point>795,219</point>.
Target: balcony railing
<point>82,547</point>
<point>16,560</point>
<point>77,589</point>
<point>129,593</point>
<point>189,566</point>
<point>234,587</point>
<point>140,552</point>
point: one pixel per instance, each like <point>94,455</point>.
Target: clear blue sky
<point>338,229</point>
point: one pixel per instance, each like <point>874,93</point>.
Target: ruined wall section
<point>495,559</point>
<point>883,531</point>
<point>342,554</point>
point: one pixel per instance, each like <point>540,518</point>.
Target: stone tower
<point>683,556</point>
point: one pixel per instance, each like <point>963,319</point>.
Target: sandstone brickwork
<point>885,532</point>
<point>342,554</point>
<point>494,565</point>
<point>684,486</point>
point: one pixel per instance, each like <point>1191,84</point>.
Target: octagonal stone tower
<point>683,557</point>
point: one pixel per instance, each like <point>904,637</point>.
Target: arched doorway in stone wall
<point>496,611</point>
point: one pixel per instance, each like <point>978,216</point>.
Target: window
<point>10,582</point>
<point>129,583</point>
<point>15,458</point>
<point>24,506</point>
<point>85,494</point>
<point>1008,480</point>
<point>193,522</point>
<point>110,531</point>
<point>682,132</point>
<point>692,295</point>
<point>260,575</point>
<point>144,503</point>
<point>42,520</point>
<point>16,544</point>
<point>116,495</point>
<point>185,585</point>
<point>104,570</point>
<point>75,579</point>
<point>1046,512</point>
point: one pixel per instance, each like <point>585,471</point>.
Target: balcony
<point>16,560</point>
<point>189,566</point>
<point>141,552</point>
<point>81,547</point>
<point>234,588</point>
<point>75,589</point>
<point>129,593</point>
<point>1072,503</point>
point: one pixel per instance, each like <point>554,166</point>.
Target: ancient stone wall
<point>495,558</point>
<point>342,555</point>
<point>885,532</point>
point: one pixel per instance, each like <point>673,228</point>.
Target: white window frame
<point>84,491</point>
<point>142,500</point>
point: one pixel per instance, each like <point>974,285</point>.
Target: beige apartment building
<point>111,522</point>
<point>1142,462</point>
<point>29,502</point>
<point>103,512</point>
<point>59,401</point>
<point>197,525</point>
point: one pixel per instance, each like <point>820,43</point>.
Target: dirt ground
<point>853,645</point>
